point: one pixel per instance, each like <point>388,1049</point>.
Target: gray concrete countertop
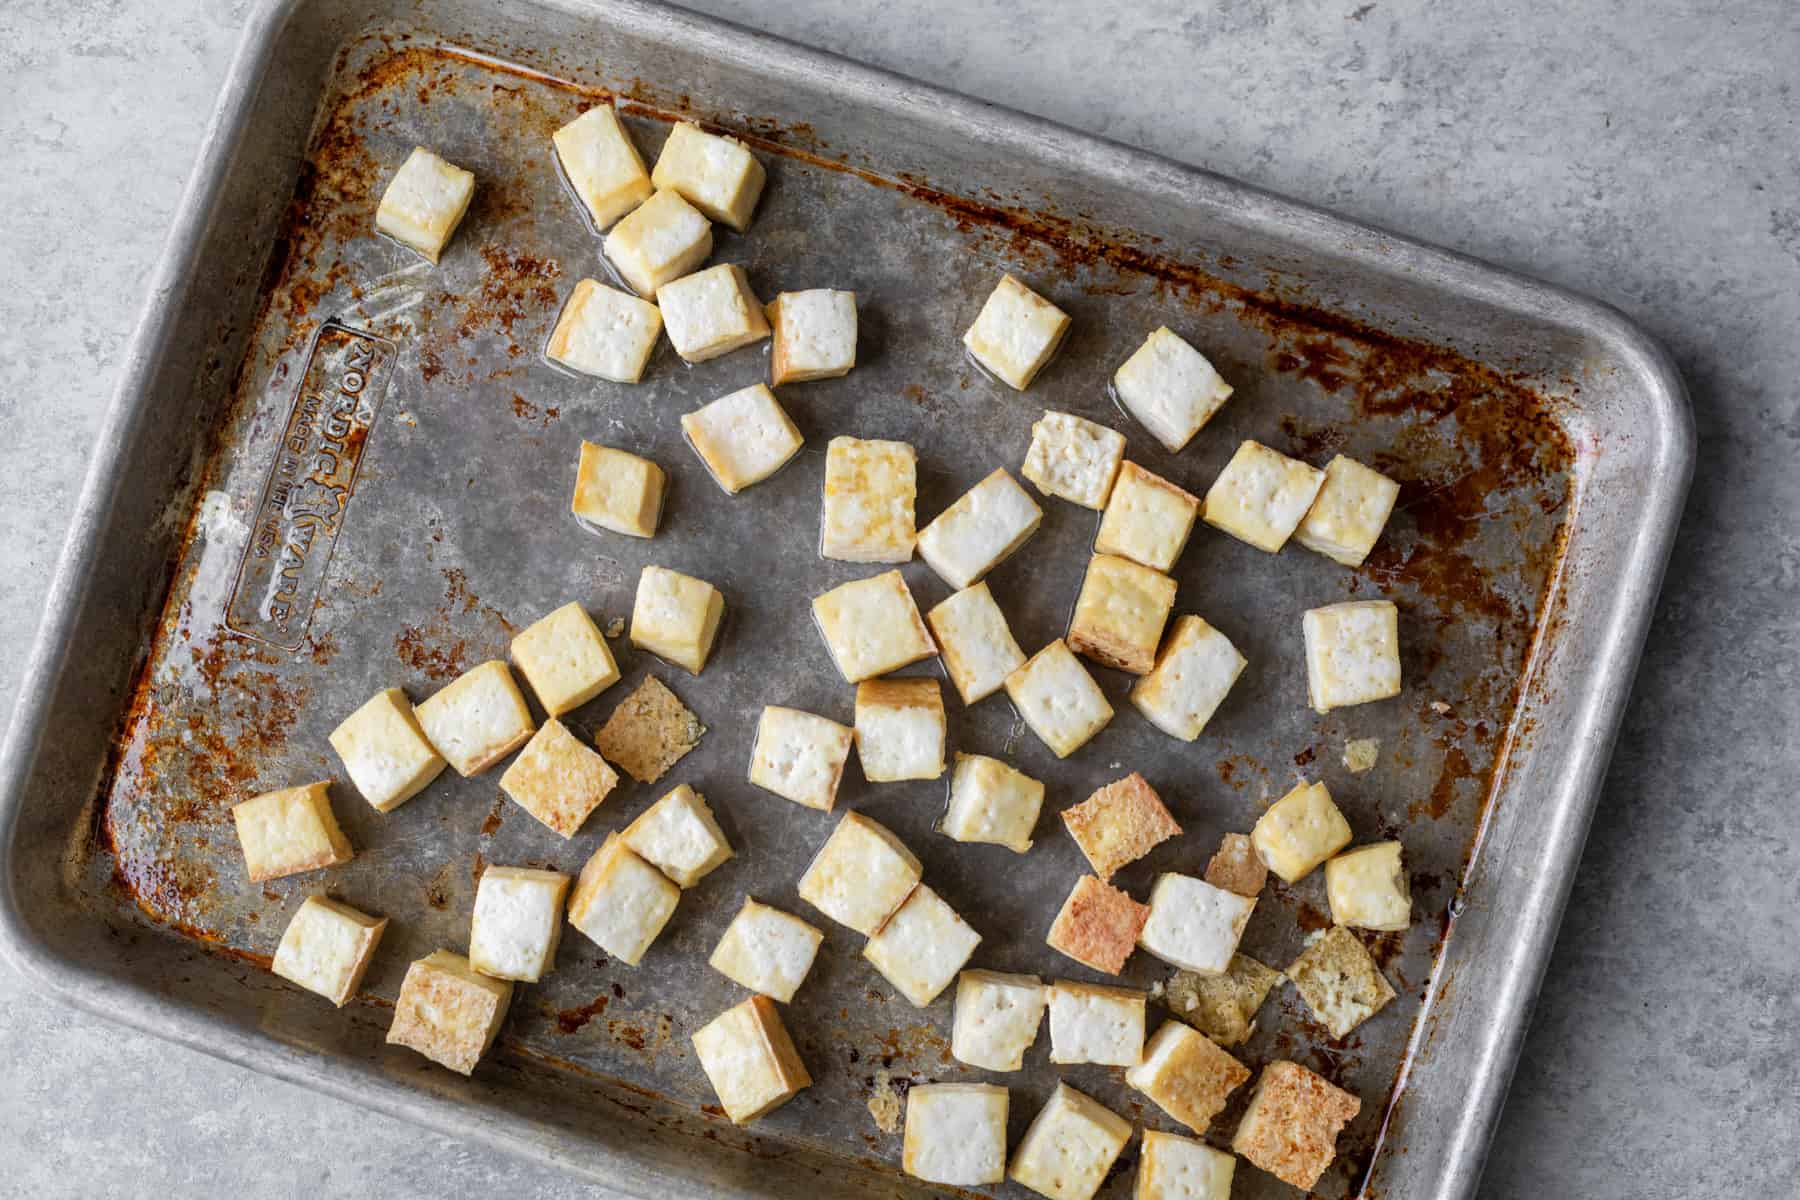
<point>1644,153</point>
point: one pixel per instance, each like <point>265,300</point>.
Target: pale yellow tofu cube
<point>658,242</point>
<point>565,660</point>
<point>980,531</point>
<point>872,627</point>
<point>617,490</point>
<point>800,756</point>
<point>815,335</point>
<point>716,174</point>
<point>448,1011</point>
<point>1120,614</point>
<point>977,645</point>
<point>1300,831</point>
<point>1069,1147</point>
<point>602,164</point>
<point>1092,1023</point>
<point>621,902</point>
<point>743,438</point>
<point>956,1133</point>
<point>558,779</point>
<point>1194,925</point>
<point>605,333</point>
<point>997,1019</point>
<point>1352,653</point>
<point>1187,1076</point>
<point>1059,699</point>
<point>1073,458</point>
<point>1148,519</point>
<point>1346,519</point>
<point>327,948</point>
<point>1368,888</point>
<point>1290,1129</point>
<point>990,802</point>
<point>385,752</point>
<point>676,617</point>
<point>767,950</point>
<point>1172,1167</point>
<point>750,1060</point>
<point>861,875</point>
<point>290,831</point>
<point>517,923</point>
<point>870,487</point>
<point>1192,676</point>
<point>478,719</point>
<point>425,202</point>
<point>922,946</point>
<point>900,729</point>
<point>1170,388</point>
<point>680,836</point>
<point>1261,495</point>
<point>711,312</point>
<point>1016,333</point>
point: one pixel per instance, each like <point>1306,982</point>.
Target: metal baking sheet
<point>1542,444</point>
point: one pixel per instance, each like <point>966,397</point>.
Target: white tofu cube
<point>1193,924</point>
<point>605,333</point>
<point>1346,519</point>
<point>861,875</point>
<point>425,202</point>
<point>517,923</point>
<point>767,950</point>
<point>1059,699</point>
<point>956,1133</point>
<point>676,617</point>
<point>990,802</point>
<point>680,836</point>
<point>1192,676</point>
<point>1300,831</point>
<point>558,779</point>
<point>1261,495</point>
<point>621,902</point>
<point>716,174</point>
<point>478,719</point>
<point>922,946</point>
<point>1352,653</point>
<point>743,438</point>
<point>385,752</point>
<point>1016,333</point>
<point>602,164</point>
<point>997,1019</point>
<point>872,627</point>
<point>1091,1023</point>
<point>977,646</point>
<point>1074,458</point>
<point>658,242</point>
<point>564,659</point>
<point>1172,1167</point>
<point>1170,388</point>
<point>619,491</point>
<point>815,335</point>
<point>800,756</point>
<point>290,831</point>
<point>1069,1147</point>
<point>1120,614</point>
<point>900,729</point>
<point>750,1060</point>
<point>1368,888</point>
<point>980,531</point>
<point>1187,1076</point>
<point>327,948</point>
<point>711,312</point>
<point>870,487</point>
<point>448,1011</point>
<point>1148,519</point>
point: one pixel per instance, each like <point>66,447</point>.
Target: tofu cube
<point>676,617</point>
<point>1059,699</point>
<point>517,923</point>
<point>1187,1076</point>
<point>711,312</point>
<point>602,164</point>
<point>558,779</point>
<point>679,835</point>
<point>1120,614</point>
<point>1223,1007</point>
<point>1300,831</point>
<point>619,491</point>
<point>1260,496</point>
<point>1290,1129</point>
<point>1016,333</point>
<point>565,660</point>
<point>650,732</point>
<point>385,752</point>
<point>1119,824</point>
<point>900,729</point>
<point>1073,458</point>
<point>750,1060</point>
<point>1191,678</point>
<point>861,875</point>
<point>425,202</point>
<point>922,946</point>
<point>621,902</point>
<point>767,950</point>
<point>1367,888</point>
<point>1236,867</point>
<point>1148,519</point>
<point>478,719</point>
<point>1352,653</point>
<point>997,1018</point>
<point>978,648</point>
<point>448,1011</point>
<point>290,831</point>
<point>658,242</point>
<point>800,756</point>
<point>956,1133</point>
<point>870,487</point>
<point>1172,1167</point>
<point>327,948</point>
<point>872,627</point>
<point>716,174</point>
<point>1339,981</point>
<point>1069,1147</point>
<point>1098,926</point>
<point>743,438</point>
<point>980,531</point>
<point>1091,1023</point>
<point>1170,388</point>
<point>815,335</point>
<point>605,332</point>
<point>1194,925</point>
<point>1346,519</point>
<point>992,803</point>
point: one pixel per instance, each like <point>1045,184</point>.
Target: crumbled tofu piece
<point>978,532</point>
<point>716,174</point>
<point>602,164</point>
<point>1016,333</point>
<point>1170,388</point>
<point>564,659</point>
<point>1361,754</point>
<point>658,242</point>
<point>605,333</point>
<point>1073,458</point>
<point>676,617</point>
<point>290,831</point>
<point>1148,519</point>
<point>1120,614</point>
<point>1069,1147</point>
<point>900,729</point>
<point>767,950</point>
<point>872,627</point>
<point>990,802</point>
<point>711,312</point>
<point>385,752</point>
<point>649,732</point>
<point>1193,674</point>
<point>743,438</point>
<point>1368,888</point>
<point>425,202</point>
<point>478,719</point>
<point>1059,699</point>
<point>1119,824</point>
<point>956,1133</point>
<point>1260,496</point>
<point>1300,831</point>
<point>1346,519</point>
<point>1290,1129</point>
<point>1172,1167</point>
<point>997,1018</point>
<point>750,1060</point>
<point>1339,981</point>
<point>1098,925</point>
<point>1236,867</point>
<point>977,646</point>
<point>815,335</point>
<point>861,875</point>
<point>870,487</point>
<point>1187,1076</point>
<point>922,946</point>
<point>1352,653</point>
<point>1194,924</point>
<point>327,947</point>
<point>558,780</point>
<point>517,923</point>
<point>620,491</point>
<point>679,835</point>
<point>800,756</point>
<point>448,1011</point>
<point>621,902</point>
<point>1090,1023</point>
<point>1223,1007</point>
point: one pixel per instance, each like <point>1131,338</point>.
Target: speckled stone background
<point>1645,153</point>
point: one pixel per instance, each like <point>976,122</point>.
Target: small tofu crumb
<point>649,732</point>
<point>1236,867</point>
<point>1098,926</point>
<point>1119,824</point>
<point>1361,754</point>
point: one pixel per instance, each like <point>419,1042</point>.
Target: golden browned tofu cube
<point>815,335</point>
<point>870,487</point>
<point>676,617</point>
<point>1260,496</point>
<point>1193,673</point>
<point>290,831</point>
<point>743,438</point>
<point>1119,824</point>
<point>558,779</point>
<point>649,732</point>
<point>872,627</point>
<point>1290,1129</point>
<point>977,645</point>
<point>1059,699</point>
<point>861,876</point>
<point>922,946</point>
<point>1235,866</point>
<point>1352,653</point>
<point>1069,1147</point>
<point>711,312</point>
<point>1173,1167</point>
<point>659,241</point>
<point>619,491</point>
<point>602,164</point>
<point>1120,614</point>
<point>1098,926</point>
<point>448,1011</point>
<point>605,333</point>
<point>956,1133</point>
<point>1170,387</point>
<point>1300,831</point>
<point>900,729</point>
<point>1367,888</point>
<point>680,836</point>
<point>1187,1076</point>
<point>1073,458</point>
<point>800,756</point>
<point>565,660</point>
<point>1346,519</point>
<point>767,950</point>
<point>1148,519</point>
<point>750,1060</point>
